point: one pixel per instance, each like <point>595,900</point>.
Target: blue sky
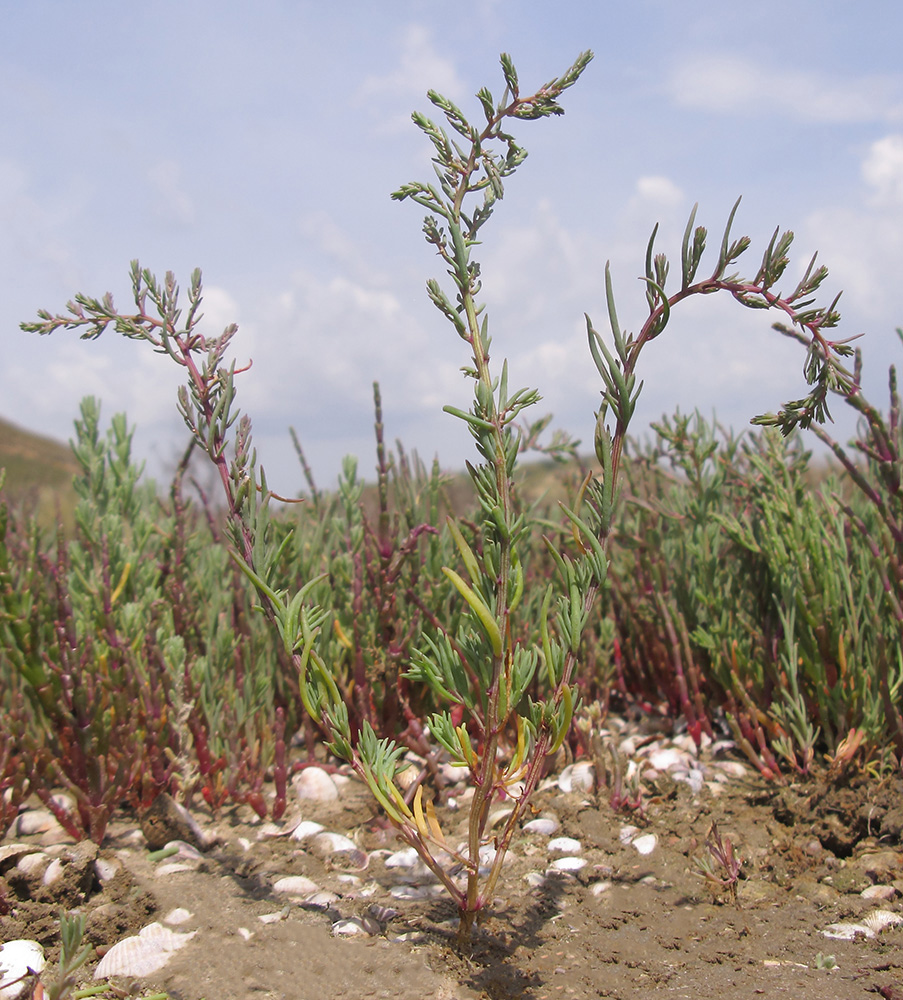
<point>261,143</point>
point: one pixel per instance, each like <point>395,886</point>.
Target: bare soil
<point>626,926</point>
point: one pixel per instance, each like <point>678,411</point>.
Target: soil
<point>625,926</point>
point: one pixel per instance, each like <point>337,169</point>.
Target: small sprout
<point>721,869</point>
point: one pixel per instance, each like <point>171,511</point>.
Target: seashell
<point>106,869</point>
<point>326,843</point>
<point>382,913</point>
<point>847,932</point>
<point>499,816</point>
<point>880,919</point>
<point>577,777</point>
<point>628,833</point>
<point>347,928</point>
<point>405,858</point>
<point>296,885</point>
<point>10,852</point>
<point>244,933</point>
<point>351,880</point>
<point>271,830</point>
<point>565,845</point>
<point>885,892</point>
<point>600,887</point>
<point>244,843</point>
<point>273,918</point>
<point>628,746</point>
<point>306,828</point>
<point>535,879</point>
<point>186,851</point>
<point>545,825</point>
<point>33,863</point>
<point>16,959</point>
<point>144,954</point>
<point>34,821</point>
<point>319,900</point>
<point>53,872</point>
<point>174,867</point>
<point>416,891</point>
<point>732,768</point>
<point>178,916</point>
<point>568,864</point>
<point>313,784</point>
<point>664,760</point>
<point>645,844</point>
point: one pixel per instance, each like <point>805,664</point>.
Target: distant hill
<point>39,472</point>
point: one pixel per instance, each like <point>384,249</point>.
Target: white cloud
<point>659,191</point>
<point>883,170</point>
<point>733,84</point>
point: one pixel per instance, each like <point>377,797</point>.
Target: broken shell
<point>32,863</point>
<point>870,926</point>
<point>545,825</point>
<point>568,864</point>
<point>178,916</point>
<point>315,785</point>
<point>296,885</point>
<point>646,844</point>
<point>577,777</point>
<point>565,845</point>
<point>144,954</point>
<point>664,760</point>
<point>628,833</point>
<point>16,959</point>
<point>535,879</point>
<point>382,913</point>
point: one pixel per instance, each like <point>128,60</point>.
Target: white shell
<point>8,851</point>
<point>879,892</point>
<point>565,845</point>
<point>33,863</point>
<point>535,879</point>
<point>578,777</point>
<point>306,828</point>
<point>16,958</point>
<point>405,858</point>
<point>34,821</point>
<point>345,928</point>
<point>174,867</point>
<point>664,760</point>
<point>315,785</point>
<point>53,872</point>
<point>880,919</point>
<point>107,869</point>
<point>143,954</point>
<point>646,844</point>
<point>296,885</point>
<point>628,833</point>
<point>178,916</point>
<point>847,932</point>
<point>546,825</point>
<point>600,887</point>
<point>327,843</point>
<point>568,864</point>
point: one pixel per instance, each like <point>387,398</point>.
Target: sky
<point>261,142</point>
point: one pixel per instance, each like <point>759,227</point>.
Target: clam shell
<point>346,928</point>
<point>565,845</point>
<point>313,784</point>
<point>545,825</point>
<point>326,843</point>
<point>16,958</point>
<point>13,851</point>
<point>178,916</point>
<point>306,828</point>
<point>568,864</point>
<point>879,892</point>
<point>577,777</point>
<point>880,919</point>
<point>296,885</point>
<point>405,858</point>
<point>646,843</point>
<point>144,954</point>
